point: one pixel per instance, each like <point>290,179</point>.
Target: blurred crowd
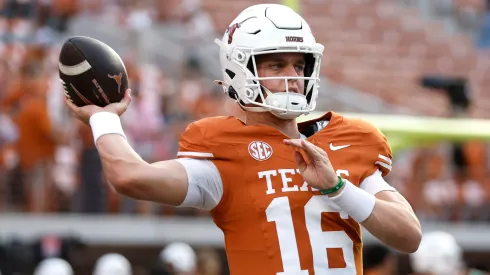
<point>439,253</point>
<point>54,255</point>
<point>445,181</point>
<point>49,162</point>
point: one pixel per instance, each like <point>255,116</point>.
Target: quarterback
<point>290,198</point>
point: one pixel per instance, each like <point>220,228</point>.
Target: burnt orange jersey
<point>273,222</point>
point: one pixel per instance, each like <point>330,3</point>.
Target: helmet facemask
<point>246,89</point>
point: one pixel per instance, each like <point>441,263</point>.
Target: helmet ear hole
<point>230,74</point>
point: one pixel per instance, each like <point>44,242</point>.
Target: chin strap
<point>277,100</point>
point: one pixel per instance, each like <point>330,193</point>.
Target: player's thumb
<point>127,98</point>
<point>298,157</point>
<point>121,106</point>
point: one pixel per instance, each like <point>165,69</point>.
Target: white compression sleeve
<point>205,187</point>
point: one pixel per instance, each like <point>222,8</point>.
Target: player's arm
<point>171,182</point>
<point>377,206</point>
<point>185,182</point>
<point>163,182</point>
<point>392,219</point>
<point>384,213</point>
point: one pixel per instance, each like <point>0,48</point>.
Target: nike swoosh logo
<point>335,148</point>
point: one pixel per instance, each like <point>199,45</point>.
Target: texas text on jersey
<point>273,222</point>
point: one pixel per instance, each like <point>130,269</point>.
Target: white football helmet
<point>265,29</point>
<point>53,266</point>
<point>181,256</point>
<point>112,264</point>
<point>438,254</point>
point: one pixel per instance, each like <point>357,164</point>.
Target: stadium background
<point>405,57</point>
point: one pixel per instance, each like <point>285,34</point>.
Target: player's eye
<point>299,68</point>
<point>276,66</point>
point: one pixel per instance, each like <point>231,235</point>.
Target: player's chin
<point>282,117</point>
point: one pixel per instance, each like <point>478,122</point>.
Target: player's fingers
<point>298,157</point>
<point>77,111</point>
<point>70,104</point>
<point>120,107</point>
<point>125,101</point>
<point>301,144</point>
<point>311,150</point>
<point>296,143</point>
<point>319,151</point>
<point>74,108</point>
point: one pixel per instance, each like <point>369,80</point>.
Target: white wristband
<point>104,123</point>
<point>354,201</point>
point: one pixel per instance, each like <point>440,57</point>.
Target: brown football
<point>91,72</point>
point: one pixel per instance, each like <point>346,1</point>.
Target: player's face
<point>281,65</point>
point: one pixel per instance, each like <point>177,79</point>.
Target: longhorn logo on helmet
<point>231,30</point>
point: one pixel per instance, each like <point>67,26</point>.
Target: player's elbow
<point>413,238</point>
<point>406,236</point>
<point>417,239</point>
<point>124,181</point>
<point>415,234</point>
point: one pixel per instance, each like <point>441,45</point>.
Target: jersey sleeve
<point>193,144</point>
<point>375,183</point>
<point>205,187</point>
<point>377,155</point>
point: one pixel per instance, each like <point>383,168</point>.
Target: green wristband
<point>333,189</point>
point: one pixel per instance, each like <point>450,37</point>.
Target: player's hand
<point>317,171</point>
<point>84,113</point>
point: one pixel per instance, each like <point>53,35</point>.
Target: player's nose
<point>292,83</point>
<point>291,70</point>
<point>292,86</point>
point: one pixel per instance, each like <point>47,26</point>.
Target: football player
<point>290,198</point>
